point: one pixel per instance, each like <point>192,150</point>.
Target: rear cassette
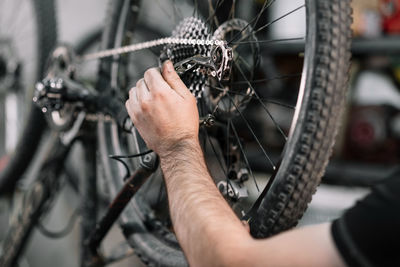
<point>190,28</point>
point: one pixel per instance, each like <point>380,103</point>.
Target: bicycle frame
<point>52,94</point>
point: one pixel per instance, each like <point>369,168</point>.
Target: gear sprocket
<point>190,28</point>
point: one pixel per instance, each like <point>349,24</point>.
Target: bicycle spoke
<point>166,13</point>
<point>252,132</point>
<point>233,9</point>
<point>224,170</point>
<point>175,16</point>
<point>255,31</point>
<point>177,10</point>
<point>280,18</point>
<point>268,100</point>
<point>244,155</point>
<point>269,41</point>
<point>265,7</point>
<point>262,103</point>
<point>219,161</point>
<point>227,180</point>
<point>246,64</point>
<point>288,76</point>
<point>212,12</point>
<point>217,6</point>
<point>281,104</point>
<point>196,8</point>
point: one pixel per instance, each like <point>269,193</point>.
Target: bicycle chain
<point>194,51</point>
<point>147,45</point>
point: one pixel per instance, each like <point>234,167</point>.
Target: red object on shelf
<point>369,137</point>
<point>390,10</point>
<point>3,162</point>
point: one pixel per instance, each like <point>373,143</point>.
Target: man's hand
<point>163,110</point>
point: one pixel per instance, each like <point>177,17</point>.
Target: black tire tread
<point>282,209</point>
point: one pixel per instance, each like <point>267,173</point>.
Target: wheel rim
<point>118,145</point>
<point>19,58</point>
<point>233,128</point>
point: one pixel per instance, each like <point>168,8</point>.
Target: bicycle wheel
<point>33,201</point>
<point>34,204</point>
<point>27,35</point>
<point>292,132</point>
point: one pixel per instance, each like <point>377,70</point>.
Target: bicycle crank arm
<point>115,209</point>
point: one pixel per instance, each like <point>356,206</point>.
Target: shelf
<point>389,45</point>
<point>361,46</point>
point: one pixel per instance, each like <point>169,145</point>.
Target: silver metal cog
<point>196,29</point>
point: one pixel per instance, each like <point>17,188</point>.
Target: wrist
<point>183,157</point>
<point>184,147</point>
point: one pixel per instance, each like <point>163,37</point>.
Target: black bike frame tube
<point>115,209</point>
<point>89,191</point>
<point>43,191</point>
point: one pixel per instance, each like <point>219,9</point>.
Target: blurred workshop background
<point>367,148</point>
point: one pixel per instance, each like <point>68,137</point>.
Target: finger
<point>154,80</point>
<point>142,90</point>
<point>173,79</point>
<point>130,111</point>
<point>131,104</point>
<point>133,100</point>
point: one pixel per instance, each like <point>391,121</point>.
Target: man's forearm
<point>211,234</point>
<point>165,113</point>
<point>206,222</point>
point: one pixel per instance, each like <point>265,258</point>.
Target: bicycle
<point>219,54</point>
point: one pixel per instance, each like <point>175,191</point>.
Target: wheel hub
<point>234,93</point>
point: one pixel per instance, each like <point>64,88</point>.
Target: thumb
<point>174,81</point>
